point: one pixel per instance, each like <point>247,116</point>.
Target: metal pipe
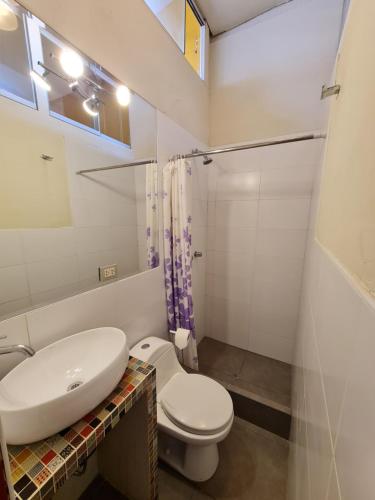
<point>113,167</point>
<point>25,349</point>
<point>254,145</point>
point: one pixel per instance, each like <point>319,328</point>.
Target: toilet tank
<point>162,355</point>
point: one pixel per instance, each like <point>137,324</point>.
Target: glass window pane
<point>15,78</point>
<point>114,119</point>
<point>171,14</point>
<point>193,39</point>
<point>62,99</point>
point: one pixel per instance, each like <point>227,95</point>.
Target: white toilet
<point>194,412</point>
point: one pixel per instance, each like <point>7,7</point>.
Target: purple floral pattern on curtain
<point>152,224</point>
<point>178,258</point>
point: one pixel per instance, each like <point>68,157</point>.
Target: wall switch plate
<point>108,272</point>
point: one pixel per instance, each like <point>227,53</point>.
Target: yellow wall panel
<point>33,192</point>
<point>346,222</point>
<point>192,39</point>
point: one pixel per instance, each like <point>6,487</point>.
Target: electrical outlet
<point>108,272</point>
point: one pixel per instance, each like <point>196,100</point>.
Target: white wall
<point>126,38</point>
<point>332,456</point>
<point>333,406</point>
<point>266,75</point>
<point>259,204</point>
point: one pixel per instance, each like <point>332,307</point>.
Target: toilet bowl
<point>194,412</point>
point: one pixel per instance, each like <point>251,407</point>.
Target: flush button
<point>145,346</point>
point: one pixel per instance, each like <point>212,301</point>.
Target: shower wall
<point>258,216</point>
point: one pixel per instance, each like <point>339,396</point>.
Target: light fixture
<point>123,95</point>
<point>8,19</point>
<point>91,105</point>
<point>40,80</point>
<point>72,63</point>
<point>74,85</point>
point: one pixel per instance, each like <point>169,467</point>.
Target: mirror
<point>61,231</point>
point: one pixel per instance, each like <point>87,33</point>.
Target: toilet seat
<point>197,404</point>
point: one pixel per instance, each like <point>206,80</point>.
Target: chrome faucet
<point>25,349</point>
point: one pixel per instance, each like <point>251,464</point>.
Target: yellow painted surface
<point>33,192</point>
<point>346,221</point>
<point>192,39</point>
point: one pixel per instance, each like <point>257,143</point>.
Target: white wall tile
<point>318,430</point>
<point>93,239</point>
<point>236,288</point>
<point>257,228</point>
<point>287,243</point>
<point>354,447</point>
<point>41,244</point>
<point>10,248</point>
<point>72,315</point>
<point>238,186</point>
<point>334,488</point>
<point>228,322</point>
<point>14,283</point>
<point>284,214</point>
<point>236,214</point>
<point>272,346</point>
<point>336,313</point>
<point>52,274</point>
<point>12,331</point>
<point>235,240</point>
<point>230,264</point>
<point>294,181</point>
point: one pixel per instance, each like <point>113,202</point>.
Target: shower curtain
<point>177,210</point>
<point>152,230</point>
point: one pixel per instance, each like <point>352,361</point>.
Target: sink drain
<point>74,385</point>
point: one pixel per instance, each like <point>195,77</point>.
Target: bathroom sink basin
<point>61,383</point>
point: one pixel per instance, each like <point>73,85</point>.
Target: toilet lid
<point>197,404</point>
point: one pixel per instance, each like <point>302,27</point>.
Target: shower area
<point>251,214</point>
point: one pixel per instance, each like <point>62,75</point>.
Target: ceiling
<point>223,15</point>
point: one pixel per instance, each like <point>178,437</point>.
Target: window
<point>15,80</point>
<point>66,99</point>
<point>183,21</point>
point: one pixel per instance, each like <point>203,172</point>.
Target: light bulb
<point>40,80</point>
<point>123,95</point>
<point>90,105</point>
<point>8,19</point>
<point>72,63</point>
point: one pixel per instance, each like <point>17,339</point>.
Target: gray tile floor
<point>258,377</point>
<point>253,466</point>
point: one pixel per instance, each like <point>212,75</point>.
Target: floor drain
<point>74,385</point>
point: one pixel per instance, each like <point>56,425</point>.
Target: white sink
<point>61,384</point>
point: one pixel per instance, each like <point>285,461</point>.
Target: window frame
<point>203,25</point>
<point>95,69</point>
<point>10,95</point>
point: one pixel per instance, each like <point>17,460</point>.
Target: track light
<point>123,95</point>
<point>72,63</point>
<point>91,105</point>
<point>40,80</point>
<point>8,19</point>
<point>74,85</point>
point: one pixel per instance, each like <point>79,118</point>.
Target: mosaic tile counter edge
<point>38,470</point>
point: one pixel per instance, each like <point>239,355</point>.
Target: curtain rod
<point>113,167</point>
<point>254,145</point>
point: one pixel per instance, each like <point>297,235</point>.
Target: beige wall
<point>346,223</point>
<point>123,35</point>
<point>34,193</point>
<point>266,75</point>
